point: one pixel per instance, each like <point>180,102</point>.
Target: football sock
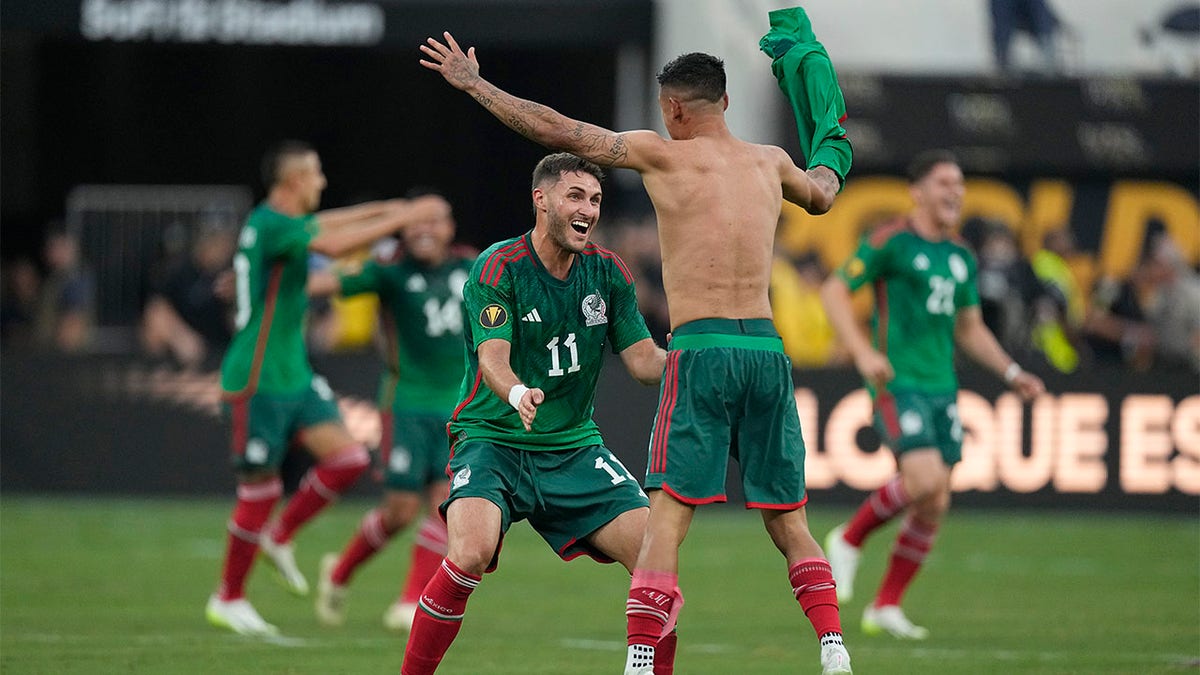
<point>427,553</point>
<point>322,485</point>
<point>370,538</point>
<point>664,654</point>
<point>254,504</point>
<point>442,606</point>
<point>814,588</point>
<point>880,507</point>
<point>650,612</point>
<point>912,546</point>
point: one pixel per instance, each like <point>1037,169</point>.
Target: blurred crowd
<point>1040,307</point>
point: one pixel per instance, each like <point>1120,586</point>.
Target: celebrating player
<point>541,310</point>
<point>271,394</point>
<point>925,302</point>
<point>717,199</point>
<point>421,303</point>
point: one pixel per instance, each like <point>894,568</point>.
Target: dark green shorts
<point>910,420</point>
<point>728,392</point>
<point>566,495</point>
<point>415,449</point>
<point>262,425</point>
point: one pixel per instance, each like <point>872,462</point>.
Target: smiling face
<point>572,208</point>
<point>939,194</point>
<point>427,239</point>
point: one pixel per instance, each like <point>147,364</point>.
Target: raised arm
<point>333,219</point>
<point>974,338</point>
<point>812,190</point>
<point>498,375</point>
<point>368,226</point>
<point>541,124</point>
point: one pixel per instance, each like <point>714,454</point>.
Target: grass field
<point>118,586</point>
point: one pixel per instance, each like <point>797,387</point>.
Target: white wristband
<point>516,394</point>
<point>1011,373</point>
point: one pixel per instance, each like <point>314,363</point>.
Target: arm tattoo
<point>543,125</point>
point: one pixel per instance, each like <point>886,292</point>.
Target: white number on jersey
<point>443,318</point>
<point>617,478</point>
<point>555,361</point>
<point>241,271</point>
<point>941,296</point>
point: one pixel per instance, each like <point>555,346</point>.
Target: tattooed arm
<point>539,123</point>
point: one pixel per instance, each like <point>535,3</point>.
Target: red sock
<point>664,654</point>
<point>812,584</point>
<point>254,504</point>
<point>881,506</point>
<point>648,611</point>
<point>323,484</point>
<point>441,609</point>
<point>912,545</point>
<point>427,553</point>
<point>370,538</point>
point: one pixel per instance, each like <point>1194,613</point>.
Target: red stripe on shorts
<point>662,427</point>
<point>387,429</point>
<point>241,423</point>
<point>886,404</point>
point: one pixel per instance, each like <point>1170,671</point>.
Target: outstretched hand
<point>460,70</point>
<point>529,405</point>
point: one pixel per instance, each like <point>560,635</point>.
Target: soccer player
<point>420,295</point>
<point>925,303</point>
<point>727,390</point>
<point>541,309</point>
<point>271,394</point>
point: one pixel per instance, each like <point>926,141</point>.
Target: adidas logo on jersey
<point>532,317</point>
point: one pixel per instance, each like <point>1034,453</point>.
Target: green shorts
<point>414,448</point>
<point>910,420</point>
<point>728,392</point>
<point>566,495</point>
<point>262,425</point>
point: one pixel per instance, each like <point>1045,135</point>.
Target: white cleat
<point>890,618</point>
<point>284,559</point>
<point>331,597</point>
<point>238,616</point>
<point>834,659</point>
<point>843,561</point>
<point>648,670</point>
<point>399,616</point>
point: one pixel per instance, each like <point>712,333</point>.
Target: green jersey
<point>422,315</point>
<point>267,353</point>
<point>919,287</point>
<point>558,330</point>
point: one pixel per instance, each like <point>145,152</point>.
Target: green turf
<point>118,586</point>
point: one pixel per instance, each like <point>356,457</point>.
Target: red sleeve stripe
<point>495,263</point>
<point>887,230</point>
<point>470,397</point>
<point>593,249</point>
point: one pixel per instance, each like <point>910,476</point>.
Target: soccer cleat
<point>843,562</point>
<point>834,659</point>
<point>649,670</point>
<point>891,618</point>
<point>399,616</point>
<point>238,616</point>
<point>284,559</point>
<point>331,597</point>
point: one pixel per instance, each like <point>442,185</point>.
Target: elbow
<point>821,202</point>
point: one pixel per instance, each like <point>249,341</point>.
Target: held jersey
<point>558,330</point>
<point>270,266</point>
<point>423,324</point>
<point>919,287</point>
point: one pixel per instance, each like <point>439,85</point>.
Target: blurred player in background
<point>420,293</point>
<point>926,301</point>
<point>271,394</point>
<point>728,387</point>
<point>541,310</point>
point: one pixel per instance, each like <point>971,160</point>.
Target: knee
<point>933,507</point>
<point>471,559</point>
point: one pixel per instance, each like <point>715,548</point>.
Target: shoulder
<point>490,265</point>
<point>889,231</point>
<point>606,258</point>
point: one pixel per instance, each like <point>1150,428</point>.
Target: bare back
<point>718,201</point>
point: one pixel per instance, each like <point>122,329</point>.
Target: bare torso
<point>718,201</point>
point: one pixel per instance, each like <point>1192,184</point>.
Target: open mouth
<point>580,226</point>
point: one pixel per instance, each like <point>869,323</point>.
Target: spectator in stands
<point>19,284</point>
<point>1036,19</point>
<point>1008,287</point>
<point>64,316</point>
<point>185,317</point>
<point>1058,315</point>
<point>808,337</point>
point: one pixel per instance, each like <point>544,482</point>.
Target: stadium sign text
<point>253,22</point>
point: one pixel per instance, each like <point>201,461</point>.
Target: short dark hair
<point>553,166</point>
<point>923,163</point>
<point>698,74</point>
<point>274,158</point>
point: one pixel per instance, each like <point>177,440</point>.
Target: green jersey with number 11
<point>558,330</point>
<point>919,287</point>
<point>267,353</point>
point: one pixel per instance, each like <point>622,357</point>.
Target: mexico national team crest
<point>594,310</point>
<point>493,316</point>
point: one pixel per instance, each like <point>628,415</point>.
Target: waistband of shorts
<point>739,333</point>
